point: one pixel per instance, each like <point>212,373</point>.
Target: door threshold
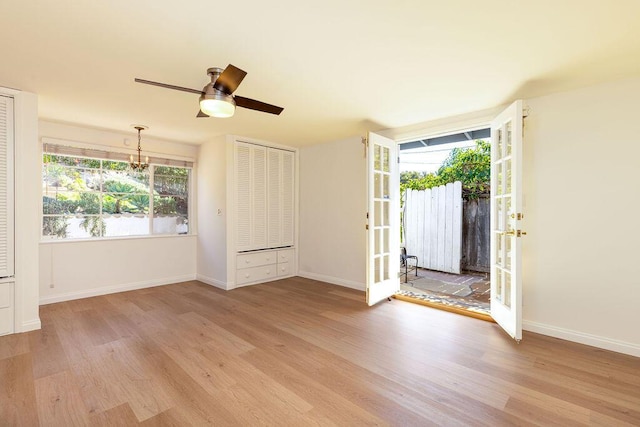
<point>445,307</point>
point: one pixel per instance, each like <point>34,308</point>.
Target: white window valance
<point>51,146</point>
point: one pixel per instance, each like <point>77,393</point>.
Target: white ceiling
<point>339,67</point>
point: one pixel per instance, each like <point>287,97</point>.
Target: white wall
<point>87,268</point>
<point>80,269</point>
<point>333,209</point>
<point>125,141</point>
<point>582,199</point>
<point>212,231</point>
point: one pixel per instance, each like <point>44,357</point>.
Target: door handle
<point>517,233</point>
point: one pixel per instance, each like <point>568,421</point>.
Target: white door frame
<point>470,122</point>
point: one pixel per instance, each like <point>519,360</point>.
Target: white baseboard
<point>333,280</point>
<point>212,282</point>
<point>583,338</point>
<point>30,325</point>
<point>105,290</point>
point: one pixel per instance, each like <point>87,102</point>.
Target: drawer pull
<point>247,261</point>
<point>246,276</point>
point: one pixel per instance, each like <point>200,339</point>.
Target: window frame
<point>97,153</point>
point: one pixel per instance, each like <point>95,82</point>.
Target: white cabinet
<point>6,216</point>
<point>256,259</point>
<point>6,308</point>
<point>265,202</point>
<point>280,199</point>
<point>262,266</point>
<point>6,187</point>
<point>251,196</point>
<point>264,212</point>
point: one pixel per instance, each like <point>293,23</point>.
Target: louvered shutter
<point>275,198</point>
<point>288,206</point>
<point>243,196</point>
<point>259,197</point>
<point>6,187</point>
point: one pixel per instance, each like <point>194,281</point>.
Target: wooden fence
<point>476,234</point>
<point>444,231</point>
<point>433,227</point>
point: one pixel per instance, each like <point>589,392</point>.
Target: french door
<point>506,219</point>
<point>383,218</point>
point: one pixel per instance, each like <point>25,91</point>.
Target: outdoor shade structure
<point>448,139</point>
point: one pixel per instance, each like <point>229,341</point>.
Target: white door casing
<point>383,222</point>
<point>506,219</point>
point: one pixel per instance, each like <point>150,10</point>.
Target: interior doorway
<point>445,227</point>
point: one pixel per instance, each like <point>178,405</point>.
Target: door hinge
<point>365,142</point>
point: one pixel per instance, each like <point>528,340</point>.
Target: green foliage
<point>125,195</point>
<point>95,225</point>
<point>164,205</point>
<point>95,189</point>
<point>171,181</point>
<point>54,226</point>
<point>470,166</point>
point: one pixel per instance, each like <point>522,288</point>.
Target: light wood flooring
<point>298,352</point>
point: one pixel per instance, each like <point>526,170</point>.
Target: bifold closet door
<point>280,197</point>
<point>6,188</point>
<point>251,196</point>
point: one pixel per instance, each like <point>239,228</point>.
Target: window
<point>87,197</point>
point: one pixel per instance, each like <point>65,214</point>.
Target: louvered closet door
<point>280,198</point>
<point>6,187</point>
<point>251,203</point>
<point>275,197</point>
<point>288,207</point>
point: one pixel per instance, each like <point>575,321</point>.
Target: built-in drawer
<point>6,294</point>
<point>255,274</point>
<point>6,321</point>
<point>284,269</point>
<point>6,308</point>
<point>285,255</point>
<point>255,259</point>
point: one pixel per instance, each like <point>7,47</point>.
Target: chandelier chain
<point>139,166</point>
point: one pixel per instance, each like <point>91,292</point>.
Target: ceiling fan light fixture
<point>217,104</point>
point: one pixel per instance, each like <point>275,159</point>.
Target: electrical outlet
<point>51,285</point>
<point>219,212</point>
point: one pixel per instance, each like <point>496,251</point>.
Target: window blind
<point>67,150</point>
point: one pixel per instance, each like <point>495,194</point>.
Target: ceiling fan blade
<point>230,79</point>
<point>201,114</point>
<point>183,89</point>
<point>252,104</point>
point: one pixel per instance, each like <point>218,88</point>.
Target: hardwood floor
<point>298,352</point>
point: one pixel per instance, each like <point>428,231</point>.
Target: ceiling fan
<point>216,98</point>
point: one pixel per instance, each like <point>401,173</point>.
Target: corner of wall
<point>212,212</point>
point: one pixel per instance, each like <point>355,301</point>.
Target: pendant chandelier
<point>138,165</point>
